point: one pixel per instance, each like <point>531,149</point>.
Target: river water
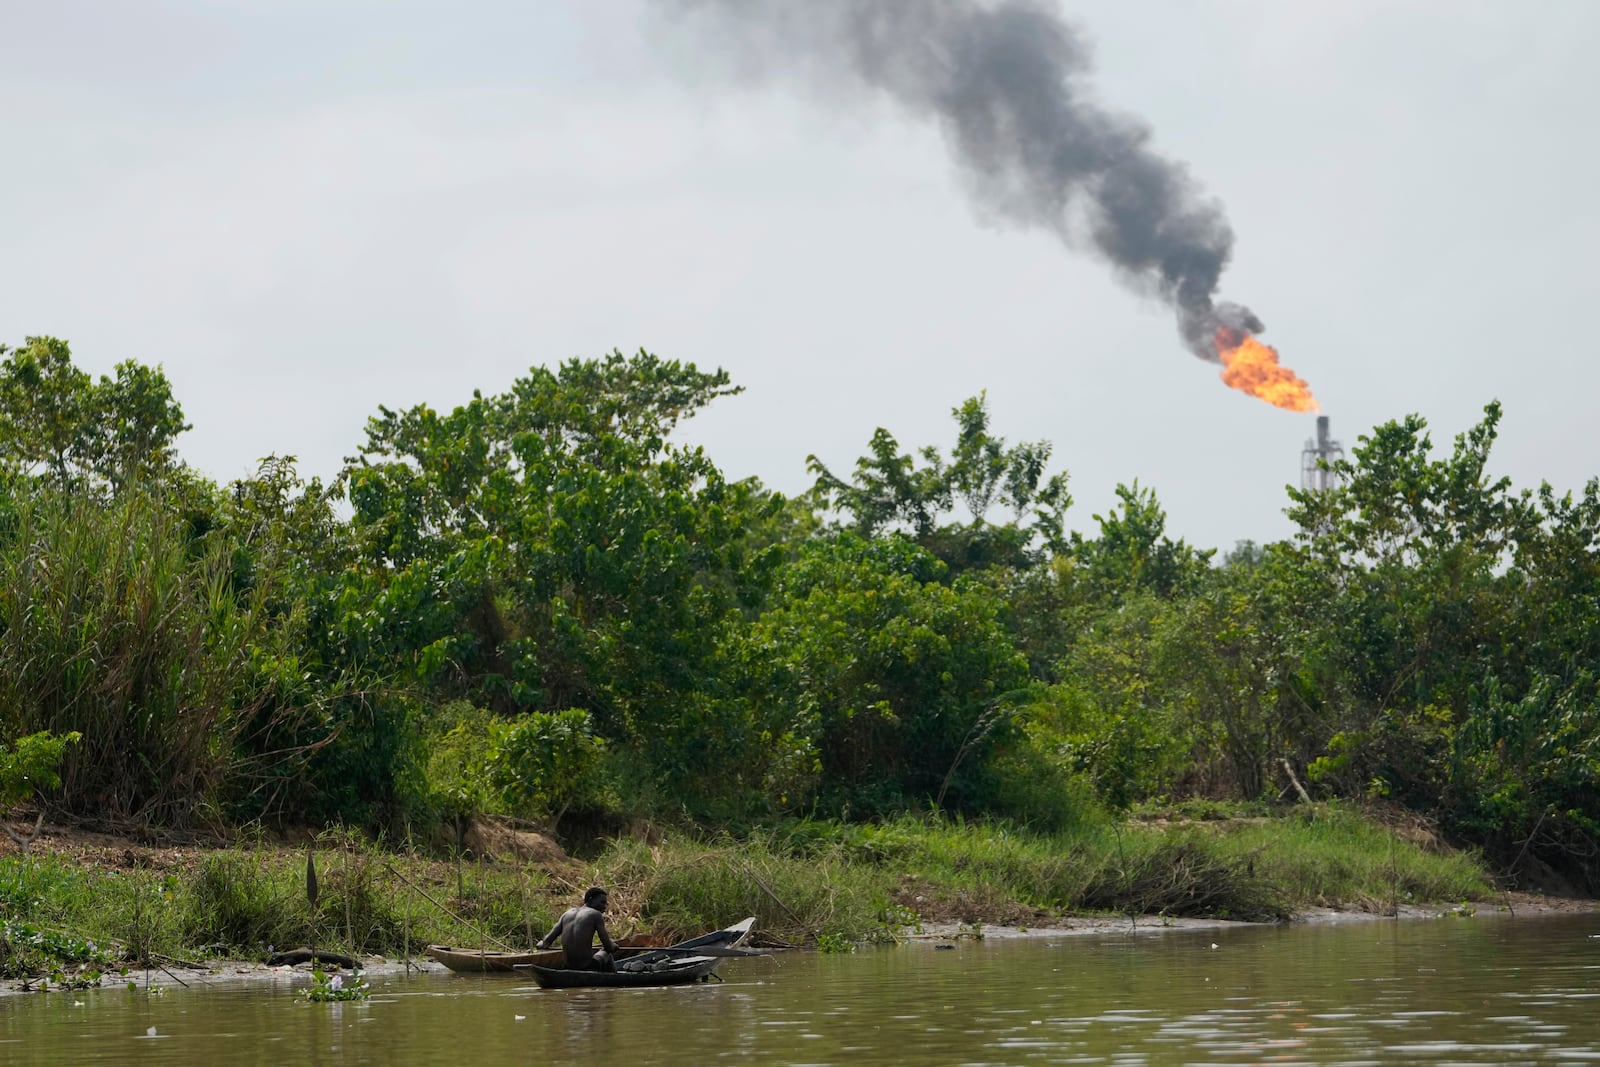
<point>1485,990</point>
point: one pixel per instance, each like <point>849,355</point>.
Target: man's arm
<point>555,931</point>
<point>605,937</point>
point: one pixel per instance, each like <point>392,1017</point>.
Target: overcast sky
<point>304,210</point>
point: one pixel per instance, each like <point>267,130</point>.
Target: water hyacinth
<point>325,987</point>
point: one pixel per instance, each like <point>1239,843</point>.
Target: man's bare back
<point>577,928</point>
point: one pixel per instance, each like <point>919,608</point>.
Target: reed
<point>686,885</point>
<point>1254,868</point>
<point>119,622</point>
<point>1333,855</point>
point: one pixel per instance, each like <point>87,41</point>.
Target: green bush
<point>544,762</point>
<point>30,765</point>
<point>458,760</point>
<point>1040,786</point>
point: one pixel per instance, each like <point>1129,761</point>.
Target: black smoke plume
<point>1006,82</point>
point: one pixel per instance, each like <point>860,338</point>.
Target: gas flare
<point>1252,367</point>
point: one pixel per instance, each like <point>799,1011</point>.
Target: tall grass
<point>685,886</point>
<point>854,878</point>
<point>117,621</point>
<point>1251,869</point>
<point>247,903</point>
<point>1333,856</point>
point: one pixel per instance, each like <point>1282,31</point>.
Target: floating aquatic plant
<point>834,942</point>
<point>325,987</point>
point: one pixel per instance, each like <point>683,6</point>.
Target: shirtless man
<point>577,928</point>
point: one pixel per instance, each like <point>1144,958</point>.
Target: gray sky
<point>304,210</point>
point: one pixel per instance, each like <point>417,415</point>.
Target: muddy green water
<point>1439,991</point>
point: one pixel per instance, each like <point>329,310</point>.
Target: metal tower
<point>1312,476</point>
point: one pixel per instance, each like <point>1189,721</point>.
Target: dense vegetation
<point>806,882</point>
<point>539,604</point>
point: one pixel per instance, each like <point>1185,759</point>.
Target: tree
<point>1134,554</point>
<point>46,408</point>
<point>890,492</point>
<point>544,762</point>
<point>889,489</point>
<point>137,420</point>
<point>1446,625</point>
<point>1110,714</point>
<point>27,768</point>
<point>881,677</point>
<point>1226,660</point>
<point>339,737</point>
<point>548,548</point>
<point>1402,601</point>
<point>56,420</point>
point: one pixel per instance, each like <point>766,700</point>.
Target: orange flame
<point>1252,367</point>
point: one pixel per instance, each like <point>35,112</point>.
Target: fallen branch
<point>177,962</point>
<point>1298,788</point>
<point>24,843</point>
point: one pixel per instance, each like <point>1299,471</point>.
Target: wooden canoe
<point>480,961</point>
<point>484,961</point>
<point>670,972</point>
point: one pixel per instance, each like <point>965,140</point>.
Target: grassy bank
<point>806,882</point>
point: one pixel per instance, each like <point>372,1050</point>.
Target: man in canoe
<point>577,928</point>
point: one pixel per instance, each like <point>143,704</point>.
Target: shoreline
<point>952,884</point>
<point>244,973</point>
<point>1508,906</point>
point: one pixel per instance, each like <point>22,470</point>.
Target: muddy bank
<point>1509,905</point>
<point>175,977</point>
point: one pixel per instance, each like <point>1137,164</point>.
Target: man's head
<point>595,898</point>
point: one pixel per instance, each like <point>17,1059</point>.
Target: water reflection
<point>1447,991</point>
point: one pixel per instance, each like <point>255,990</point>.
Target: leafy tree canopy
<point>891,492</point>
<point>549,548</point>
<point>58,421</point>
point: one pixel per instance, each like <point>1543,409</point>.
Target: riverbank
<point>284,978</point>
<point>85,902</point>
<point>1504,906</point>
